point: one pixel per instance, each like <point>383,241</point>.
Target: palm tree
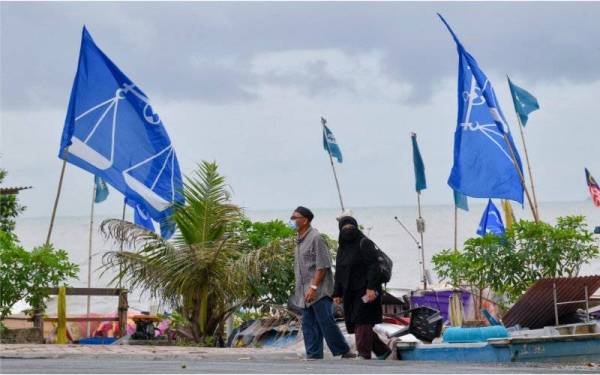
<point>203,272</point>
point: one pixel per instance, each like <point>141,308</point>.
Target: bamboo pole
<point>58,190</point>
<point>455,227</point>
<point>337,183</point>
<point>526,156</point>
<point>121,245</point>
<point>520,173</point>
<point>89,275</point>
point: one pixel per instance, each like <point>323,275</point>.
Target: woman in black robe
<point>357,285</point>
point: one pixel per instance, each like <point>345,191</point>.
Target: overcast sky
<point>245,84</point>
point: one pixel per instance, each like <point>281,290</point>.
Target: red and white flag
<point>594,188</point>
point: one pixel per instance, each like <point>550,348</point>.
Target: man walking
<point>314,286</point>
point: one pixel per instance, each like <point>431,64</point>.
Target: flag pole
<point>121,244</point>
<point>526,155</point>
<point>421,230</point>
<point>58,190</point>
<point>514,160</point>
<point>89,275</point>
<point>455,227</point>
<point>337,183</point>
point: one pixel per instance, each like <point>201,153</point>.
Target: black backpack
<point>384,262</point>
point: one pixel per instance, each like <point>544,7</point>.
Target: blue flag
<point>140,215</point>
<point>101,190</point>
<point>460,201</point>
<point>420,183</point>
<point>491,221</point>
<point>329,143</point>
<point>524,102</point>
<point>112,131</point>
<point>483,166</point>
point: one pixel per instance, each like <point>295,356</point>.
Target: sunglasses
<point>296,217</point>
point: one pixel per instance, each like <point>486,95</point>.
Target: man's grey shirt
<point>311,254</point>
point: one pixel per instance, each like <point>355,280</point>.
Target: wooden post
<point>89,275</point>
<point>58,190</point>
<point>122,312</point>
<point>61,330</point>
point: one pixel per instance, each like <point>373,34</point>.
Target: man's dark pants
<point>318,323</point>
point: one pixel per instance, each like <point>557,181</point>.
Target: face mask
<point>349,234</point>
<point>292,224</point>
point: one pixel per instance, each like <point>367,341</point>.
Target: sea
<point>379,223</point>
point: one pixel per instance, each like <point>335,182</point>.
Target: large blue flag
<point>329,143</point>
<point>101,190</point>
<point>420,183</point>
<point>483,165</point>
<point>491,221</point>
<point>524,102</point>
<point>112,131</point>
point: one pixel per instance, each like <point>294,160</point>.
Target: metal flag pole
<point>58,190</point>
<point>526,156</point>
<point>421,230</point>
<point>337,183</point>
<point>89,275</point>
<point>419,246</point>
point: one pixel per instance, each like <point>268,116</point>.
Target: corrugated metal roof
<point>535,308</point>
<point>12,190</point>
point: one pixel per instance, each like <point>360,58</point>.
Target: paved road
<point>257,366</point>
<point>59,359</point>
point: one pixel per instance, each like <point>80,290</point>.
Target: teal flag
<point>420,183</point>
<point>524,102</point>
<point>101,190</point>
<point>460,201</point>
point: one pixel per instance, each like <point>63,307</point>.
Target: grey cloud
<point>158,44</point>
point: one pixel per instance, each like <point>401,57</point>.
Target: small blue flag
<point>140,215</point>
<point>524,102</point>
<point>491,221</point>
<point>483,165</point>
<point>420,183</point>
<point>101,190</point>
<point>460,201</point>
<point>112,131</point>
<point>329,142</point>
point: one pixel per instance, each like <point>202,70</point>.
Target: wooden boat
<point>552,344</point>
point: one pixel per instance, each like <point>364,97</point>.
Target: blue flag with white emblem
<point>112,131</point>
<point>483,165</point>
<point>491,221</point>
<point>329,143</point>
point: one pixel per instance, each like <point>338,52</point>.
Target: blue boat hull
<point>569,348</point>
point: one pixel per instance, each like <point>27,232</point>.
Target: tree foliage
<point>9,208</point>
<point>529,251</point>
<point>25,275</point>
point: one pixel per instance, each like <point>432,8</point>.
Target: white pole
<point>89,275</point>
<point>421,230</point>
